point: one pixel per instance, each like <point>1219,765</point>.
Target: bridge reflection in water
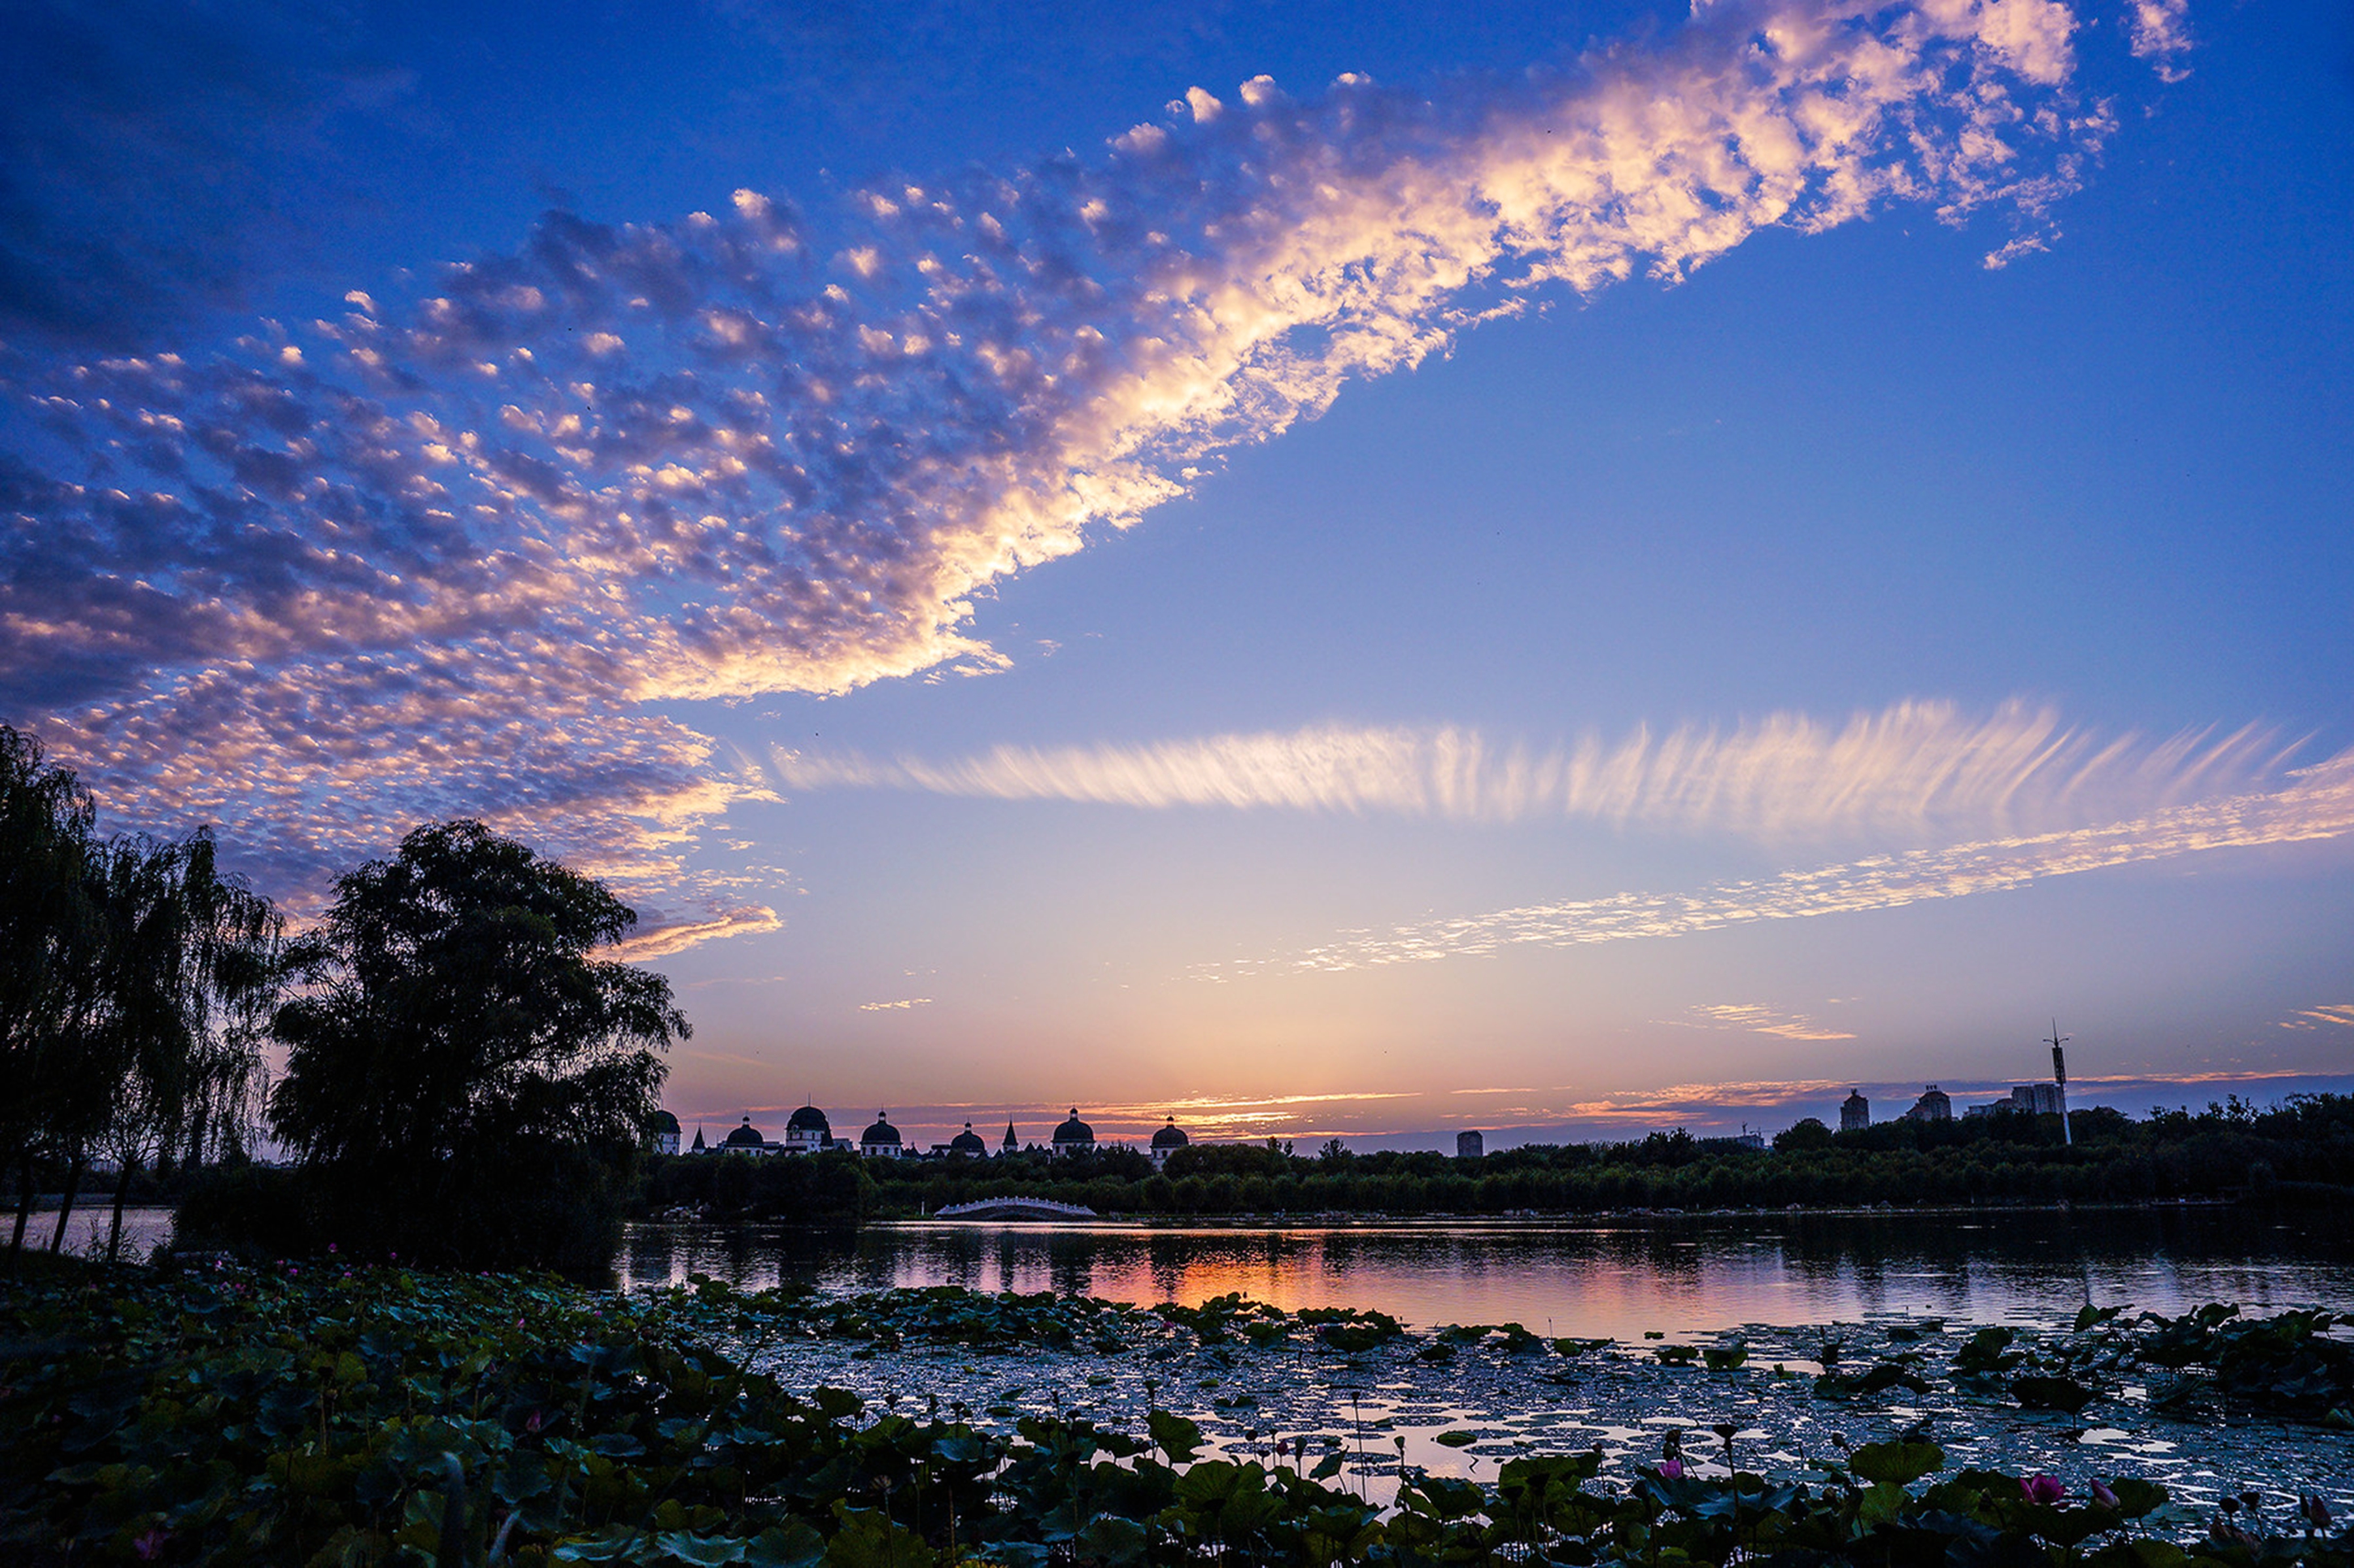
<point>1616,1277</point>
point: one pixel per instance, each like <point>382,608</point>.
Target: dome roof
<point>1075,1130</point>
<point>661,1121</point>
<point>1855,1097</point>
<point>808,1118</point>
<point>1169,1137</point>
<point>744,1137</point>
<point>967,1142</point>
<point>881,1132</point>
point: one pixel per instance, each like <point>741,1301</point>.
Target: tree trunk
<point>65,1200</point>
<point>121,1190</point>
<point>24,1206</point>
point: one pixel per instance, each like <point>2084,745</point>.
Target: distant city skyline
<point>1356,570</point>
<point>1769,1107</point>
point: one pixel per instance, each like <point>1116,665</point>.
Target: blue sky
<point>1547,584</point>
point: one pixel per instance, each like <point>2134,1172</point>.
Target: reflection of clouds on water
<point>1599,1279</point>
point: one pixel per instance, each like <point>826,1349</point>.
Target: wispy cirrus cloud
<point>2314,804</point>
<point>1913,767</point>
<point>1758,1019</point>
<point>2339,1016</point>
<point>456,552</point>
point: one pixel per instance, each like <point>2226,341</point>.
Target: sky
<point>1328,570</point>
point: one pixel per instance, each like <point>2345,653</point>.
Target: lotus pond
<point>371,1414</point>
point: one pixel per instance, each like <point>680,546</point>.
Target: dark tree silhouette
<point>189,969</point>
<point>465,1081</point>
<point>50,939</point>
<point>1808,1135</point>
<point>133,977</point>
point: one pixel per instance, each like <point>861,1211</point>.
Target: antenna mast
<point>2060,1076</point>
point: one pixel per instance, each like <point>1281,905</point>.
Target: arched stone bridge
<point>1014,1208</point>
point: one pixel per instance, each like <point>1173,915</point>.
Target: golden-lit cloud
<point>664,940</point>
<point>453,554</point>
<point>2315,803</point>
<point>1759,1019</point>
<point>1910,767</point>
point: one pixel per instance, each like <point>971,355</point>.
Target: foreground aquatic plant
<point>387,1416</point>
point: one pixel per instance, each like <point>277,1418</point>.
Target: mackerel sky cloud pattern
<point>456,553</point>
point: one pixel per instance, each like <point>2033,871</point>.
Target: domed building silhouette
<point>1935,1105</point>
<point>969,1144</point>
<point>745,1140</point>
<point>1073,1135</point>
<point>807,1131</point>
<point>882,1140</point>
<point>662,1133</point>
<point>1167,1141</point>
<point>1855,1112</point>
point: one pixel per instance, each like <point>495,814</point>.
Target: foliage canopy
<point>463,1072</point>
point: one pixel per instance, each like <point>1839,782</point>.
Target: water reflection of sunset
<point>1601,1279</point>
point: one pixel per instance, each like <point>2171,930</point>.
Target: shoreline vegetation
<point>2297,1154</point>
<point>298,1413</point>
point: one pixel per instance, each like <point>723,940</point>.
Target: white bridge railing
<point>1017,1206</point>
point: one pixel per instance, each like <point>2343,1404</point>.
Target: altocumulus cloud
<point>454,554</point>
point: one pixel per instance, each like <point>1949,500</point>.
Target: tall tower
<point>2059,1077</point>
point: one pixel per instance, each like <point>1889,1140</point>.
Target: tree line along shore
<point>2298,1153</point>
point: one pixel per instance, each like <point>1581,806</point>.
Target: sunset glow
<point>1347,571</point>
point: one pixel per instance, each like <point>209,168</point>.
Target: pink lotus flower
<point>2042,1489</point>
<point>2102,1495</point>
<point>1671,1469</point>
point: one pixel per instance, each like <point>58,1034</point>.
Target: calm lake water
<point>87,1228</point>
<point>1594,1279</point>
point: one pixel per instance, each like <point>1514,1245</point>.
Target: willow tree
<point>134,982</point>
<point>468,1067</point>
<point>48,945</point>
<point>188,969</point>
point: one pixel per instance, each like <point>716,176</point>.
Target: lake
<point>1592,1277</point>
<point>144,1228</point>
